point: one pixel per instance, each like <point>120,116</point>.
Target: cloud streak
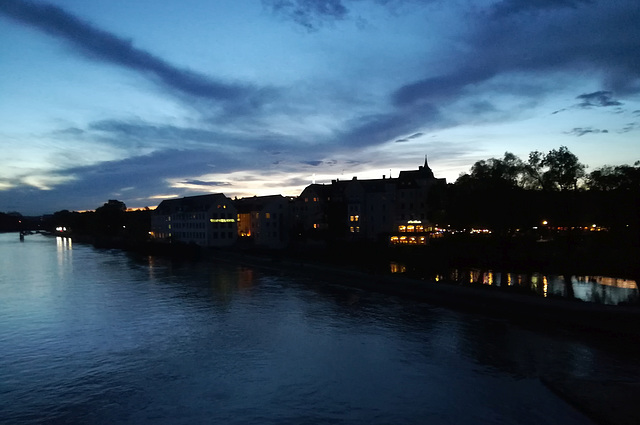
<point>104,46</point>
<point>581,131</point>
<point>598,98</point>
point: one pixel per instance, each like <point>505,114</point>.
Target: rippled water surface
<point>98,337</point>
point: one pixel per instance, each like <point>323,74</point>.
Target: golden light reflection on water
<point>397,268</point>
<point>586,288</point>
<point>614,282</point>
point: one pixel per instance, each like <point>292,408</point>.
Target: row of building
<point>395,210</point>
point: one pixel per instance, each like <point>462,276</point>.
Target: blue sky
<point>145,100</point>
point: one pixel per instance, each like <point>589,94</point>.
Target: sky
<point>142,100</point>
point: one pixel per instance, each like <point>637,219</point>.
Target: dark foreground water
<point>98,337</point>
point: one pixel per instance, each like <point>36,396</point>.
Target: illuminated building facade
<point>206,220</point>
<point>418,193</point>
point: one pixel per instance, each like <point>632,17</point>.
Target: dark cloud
<point>311,14</point>
<point>597,38</point>
<point>140,130</point>
<point>441,88</point>
<point>312,163</point>
<point>598,98</point>
<point>370,130</point>
<point>506,7</point>
<point>629,127</point>
<point>107,47</point>
<point>70,131</point>
<point>314,14</point>
<point>146,176</point>
<point>580,131</point>
<point>206,183</point>
<point>137,133</point>
<point>409,138</point>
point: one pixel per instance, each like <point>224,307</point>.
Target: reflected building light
<point>614,282</point>
<point>397,267</point>
<point>545,286</point>
<point>534,282</point>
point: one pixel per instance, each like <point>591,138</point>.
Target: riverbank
<point>607,403</point>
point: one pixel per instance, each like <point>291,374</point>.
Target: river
<point>92,336</point>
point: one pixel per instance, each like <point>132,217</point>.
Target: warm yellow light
<point>545,222</point>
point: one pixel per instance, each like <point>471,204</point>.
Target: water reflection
<point>597,289</point>
<point>147,341</point>
<point>64,249</point>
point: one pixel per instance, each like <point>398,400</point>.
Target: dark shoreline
<point>334,265</point>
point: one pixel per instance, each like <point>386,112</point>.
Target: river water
<point>93,336</point>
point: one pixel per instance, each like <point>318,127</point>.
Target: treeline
<point>11,222</point>
<point>508,193</point>
<point>110,223</point>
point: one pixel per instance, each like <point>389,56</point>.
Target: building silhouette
<point>389,210</point>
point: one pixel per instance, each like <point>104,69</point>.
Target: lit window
<point>267,215</point>
<point>402,228</point>
<point>352,229</point>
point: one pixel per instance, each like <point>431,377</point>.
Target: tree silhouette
<point>559,169</point>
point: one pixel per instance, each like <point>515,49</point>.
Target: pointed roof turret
<point>426,169</point>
